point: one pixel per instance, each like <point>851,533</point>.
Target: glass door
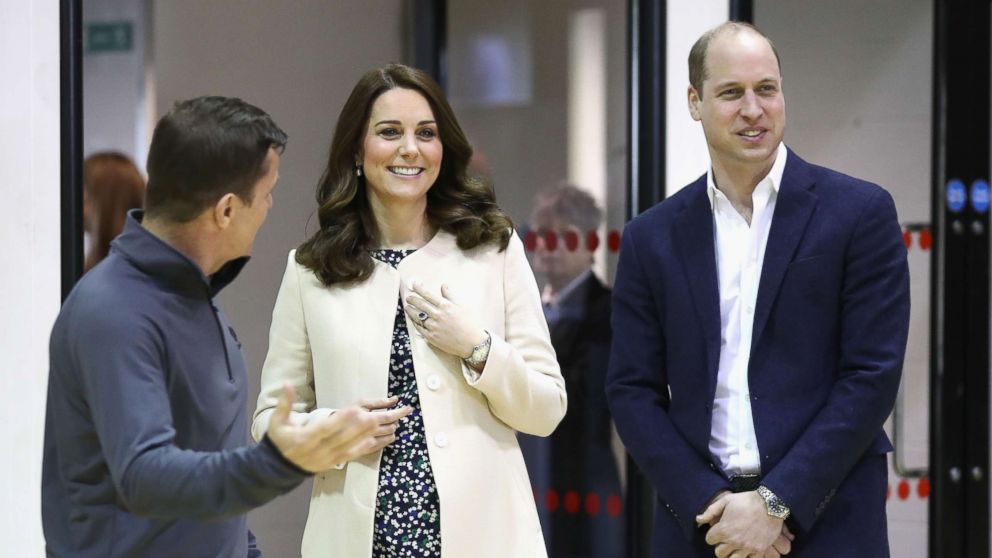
<point>541,90</point>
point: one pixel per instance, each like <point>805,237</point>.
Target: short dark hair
<point>463,206</point>
<point>569,204</point>
<point>697,54</point>
<point>203,149</point>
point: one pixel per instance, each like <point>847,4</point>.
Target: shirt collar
<point>168,266</point>
<point>574,287</point>
<point>774,176</point>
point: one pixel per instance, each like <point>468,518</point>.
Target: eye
<point>730,93</point>
<point>768,89</point>
<point>427,133</point>
<point>389,132</point>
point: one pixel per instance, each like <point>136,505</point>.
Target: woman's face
<point>401,151</point>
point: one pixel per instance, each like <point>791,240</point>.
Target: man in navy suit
<point>760,318</point>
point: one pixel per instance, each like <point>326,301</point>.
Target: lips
<point>752,133</point>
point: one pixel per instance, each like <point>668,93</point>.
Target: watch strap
<point>480,352</point>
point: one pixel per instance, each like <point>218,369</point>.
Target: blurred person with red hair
<point>112,185</point>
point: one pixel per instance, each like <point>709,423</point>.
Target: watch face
<point>776,507</point>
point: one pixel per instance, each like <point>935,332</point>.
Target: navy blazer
<point>829,337</point>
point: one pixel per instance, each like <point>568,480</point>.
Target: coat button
<point>441,440</point>
<point>434,382</point>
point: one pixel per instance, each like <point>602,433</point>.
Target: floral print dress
<point>407,511</point>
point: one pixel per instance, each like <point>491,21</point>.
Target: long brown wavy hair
<point>463,206</point>
<point>112,185</point>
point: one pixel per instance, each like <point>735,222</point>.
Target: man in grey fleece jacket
<point>146,430</point>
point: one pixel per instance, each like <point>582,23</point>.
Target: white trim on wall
<point>30,243</point>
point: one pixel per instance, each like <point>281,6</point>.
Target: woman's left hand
<point>445,323</point>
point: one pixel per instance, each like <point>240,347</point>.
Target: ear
<point>694,102</point>
<point>224,210</point>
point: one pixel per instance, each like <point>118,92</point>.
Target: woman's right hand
<point>390,419</point>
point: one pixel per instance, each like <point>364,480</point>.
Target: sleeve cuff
<point>266,441</point>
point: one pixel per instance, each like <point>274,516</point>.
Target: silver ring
<point>423,317</point>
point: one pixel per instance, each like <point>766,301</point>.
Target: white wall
<point>686,156</point>
<point>298,61</point>
<point>29,239</point>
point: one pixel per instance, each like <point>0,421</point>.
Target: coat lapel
<point>793,208</point>
<point>694,238</point>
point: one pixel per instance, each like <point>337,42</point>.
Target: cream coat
<point>333,345</point>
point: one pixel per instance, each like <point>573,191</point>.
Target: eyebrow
<point>730,83</point>
<point>398,123</point>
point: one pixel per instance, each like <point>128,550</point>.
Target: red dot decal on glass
<point>926,239</point>
<point>903,489</point>
<point>551,500</point>
<point>530,241</point>
<point>613,241</point>
<point>571,240</point>
<point>923,488</point>
<point>592,241</point>
<point>592,503</point>
<point>571,503</point>
<point>551,241</point>
<point>907,238</point>
<point>613,505</point>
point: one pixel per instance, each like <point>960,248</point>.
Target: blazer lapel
<point>693,234</point>
<point>793,208</point>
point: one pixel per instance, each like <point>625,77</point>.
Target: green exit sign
<point>109,36</point>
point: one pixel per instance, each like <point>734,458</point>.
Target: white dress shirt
<point>740,253</point>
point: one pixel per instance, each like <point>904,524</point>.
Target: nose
<point>408,147</point>
<point>750,106</point>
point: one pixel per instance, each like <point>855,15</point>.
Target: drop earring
<point>358,169</point>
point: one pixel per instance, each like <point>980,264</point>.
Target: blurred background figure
<point>577,464</point>
<point>112,185</point>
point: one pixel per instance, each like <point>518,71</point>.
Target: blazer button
<point>441,440</point>
<point>433,382</point>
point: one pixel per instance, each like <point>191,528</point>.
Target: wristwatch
<point>480,352</point>
<point>776,507</point>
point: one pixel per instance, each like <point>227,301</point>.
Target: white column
<point>29,241</point>
<point>587,134</point>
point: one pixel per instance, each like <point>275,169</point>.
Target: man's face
<point>741,108</point>
<point>559,265</point>
<point>249,218</point>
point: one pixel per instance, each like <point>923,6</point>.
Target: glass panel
<point>540,88</point>
<point>116,102</point>
<point>857,82</point>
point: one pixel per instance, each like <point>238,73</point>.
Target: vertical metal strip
<point>959,453</point>
<point>647,104</point>
<point>428,21</point>
<point>71,100</point>
<point>742,10</point>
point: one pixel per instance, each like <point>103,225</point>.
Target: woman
<point>112,186</point>
<point>415,287</point>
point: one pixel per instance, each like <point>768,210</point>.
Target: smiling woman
<point>415,280</point>
<point>398,159</point>
<point>401,154</point>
